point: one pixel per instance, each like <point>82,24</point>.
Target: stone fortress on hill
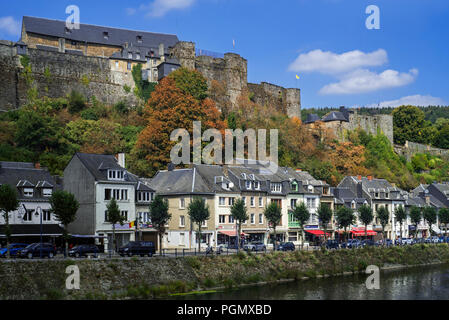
<point>98,61</point>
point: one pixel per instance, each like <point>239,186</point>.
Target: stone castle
<point>97,61</point>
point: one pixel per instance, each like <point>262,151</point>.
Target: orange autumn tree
<point>348,158</point>
<point>168,109</point>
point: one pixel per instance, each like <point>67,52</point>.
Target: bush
<point>76,102</point>
<point>121,107</point>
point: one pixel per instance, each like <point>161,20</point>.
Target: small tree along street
<point>159,216</point>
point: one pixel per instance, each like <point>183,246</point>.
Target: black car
<point>84,251</point>
<point>34,250</point>
<point>138,248</point>
<point>286,246</point>
<point>332,244</point>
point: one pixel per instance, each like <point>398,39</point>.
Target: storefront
<point>255,235</point>
<point>228,237</point>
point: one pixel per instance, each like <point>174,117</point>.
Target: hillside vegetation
<point>50,131</point>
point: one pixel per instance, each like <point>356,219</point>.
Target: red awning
<point>360,232</point>
<point>230,233</point>
<point>317,232</point>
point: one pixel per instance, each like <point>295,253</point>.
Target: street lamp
<point>37,210</point>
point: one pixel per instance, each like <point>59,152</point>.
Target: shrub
<point>76,102</point>
<point>121,107</point>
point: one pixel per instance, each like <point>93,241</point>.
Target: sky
<point>326,43</point>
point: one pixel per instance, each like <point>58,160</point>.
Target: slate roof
<point>98,165</point>
<point>312,117</point>
<point>95,34</point>
<point>19,174</point>
<point>419,189</point>
<point>335,116</point>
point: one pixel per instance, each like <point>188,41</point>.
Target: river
<point>416,283</point>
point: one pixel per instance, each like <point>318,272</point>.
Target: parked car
<point>351,243</point>
<point>332,244</point>
<point>138,248</point>
<point>435,239</point>
<point>286,246</point>
<point>84,250</point>
<point>34,250</point>
<point>388,242</point>
<point>255,246</point>
<point>14,249</point>
<point>368,242</point>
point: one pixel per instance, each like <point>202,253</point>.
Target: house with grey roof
<point>379,192</point>
<point>34,186</point>
<point>97,179</point>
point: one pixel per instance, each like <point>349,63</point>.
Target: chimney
<point>298,170</point>
<point>37,165</point>
<point>359,190</point>
<point>121,160</point>
<point>226,171</point>
<point>427,200</point>
<point>161,50</point>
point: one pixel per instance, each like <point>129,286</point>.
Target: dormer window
<point>130,55</point>
<point>28,192</point>
<point>248,184</point>
<point>47,192</point>
<point>106,35</point>
<point>256,185</point>
<point>139,39</point>
<point>116,175</point>
<point>244,176</point>
<point>137,56</point>
<point>252,177</point>
<point>144,197</point>
<point>294,186</point>
<point>276,187</point>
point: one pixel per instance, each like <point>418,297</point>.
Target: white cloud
<point>362,81</point>
<point>10,26</point>
<point>330,63</point>
<point>415,100</point>
<point>159,8</point>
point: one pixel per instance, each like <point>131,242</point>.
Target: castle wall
<point>232,71</point>
<point>57,74</point>
<point>371,124</point>
<point>412,148</point>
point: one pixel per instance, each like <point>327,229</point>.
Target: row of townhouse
<point>96,179</point>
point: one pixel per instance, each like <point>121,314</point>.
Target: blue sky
<point>325,42</point>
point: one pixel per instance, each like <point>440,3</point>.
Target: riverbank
<point>161,277</point>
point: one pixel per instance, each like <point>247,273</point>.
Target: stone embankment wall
<point>147,278</point>
<point>56,74</point>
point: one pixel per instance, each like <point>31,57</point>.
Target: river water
<point>416,283</point>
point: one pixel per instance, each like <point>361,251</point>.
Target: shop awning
<point>360,232</point>
<point>317,232</point>
<point>230,233</point>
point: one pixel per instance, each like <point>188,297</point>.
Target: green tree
<point>430,216</point>
<point>384,218</point>
<point>401,216</point>
<point>442,138</point>
<point>408,122</point>
<point>415,217</point>
<point>159,216</point>
<point>345,217</point>
<point>143,88</point>
<point>114,217</point>
<point>64,207</point>
<point>273,214</point>
<point>325,216</point>
<point>302,215</point>
<point>198,213</point>
<point>443,218</point>
<point>239,213</point>
<point>190,82</point>
<point>8,203</point>
<point>366,216</point>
